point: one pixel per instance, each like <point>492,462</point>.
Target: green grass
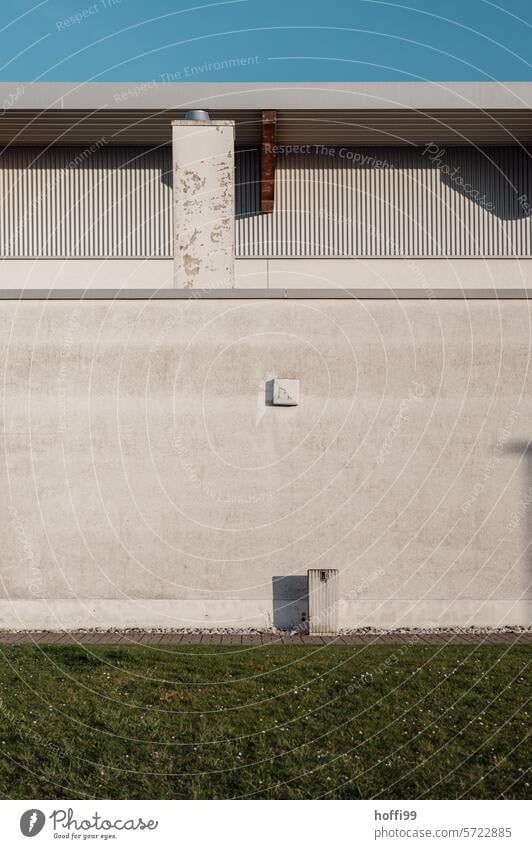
<point>281,722</point>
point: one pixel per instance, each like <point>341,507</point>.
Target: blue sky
<point>265,40</point>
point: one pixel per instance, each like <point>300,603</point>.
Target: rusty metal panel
<point>267,166</point>
<point>388,202</point>
<point>323,601</point>
<point>86,202</point>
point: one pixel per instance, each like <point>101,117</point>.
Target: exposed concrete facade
<point>146,482</point>
<point>147,479</point>
<point>203,186</point>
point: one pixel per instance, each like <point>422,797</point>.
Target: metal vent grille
<point>117,202</point>
<point>323,601</point>
<point>379,202</point>
<point>86,202</point>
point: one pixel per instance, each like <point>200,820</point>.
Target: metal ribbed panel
<point>388,202</point>
<point>86,202</point>
<point>323,601</point>
<point>116,201</point>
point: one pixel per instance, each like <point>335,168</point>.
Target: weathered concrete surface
<point>203,188</point>
<point>146,483</point>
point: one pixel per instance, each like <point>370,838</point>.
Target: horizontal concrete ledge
<point>264,294</point>
<point>281,276</point>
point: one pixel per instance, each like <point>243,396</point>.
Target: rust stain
<point>191,265</point>
<point>216,235</point>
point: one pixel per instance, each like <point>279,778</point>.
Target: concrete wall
<point>407,273</point>
<point>145,481</point>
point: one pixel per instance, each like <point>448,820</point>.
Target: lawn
<point>265,722</point>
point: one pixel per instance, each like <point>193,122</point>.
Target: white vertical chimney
<point>203,164</point>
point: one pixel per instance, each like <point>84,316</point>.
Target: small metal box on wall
<point>323,601</point>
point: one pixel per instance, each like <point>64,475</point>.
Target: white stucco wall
<point>145,482</point>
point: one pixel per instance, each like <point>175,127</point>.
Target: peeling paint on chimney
<point>203,204</point>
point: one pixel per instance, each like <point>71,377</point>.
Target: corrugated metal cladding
<point>86,202</point>
<point>323,600</point>
<point>389,202</point>
<point>117,201</point>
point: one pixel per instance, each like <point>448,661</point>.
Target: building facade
<point>369,243</point>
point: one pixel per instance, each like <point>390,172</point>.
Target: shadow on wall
<point>495,178</point>
<point>247,182</point>
<point>290,602</point>
<point>521,521</point>
<point>268,395</point>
